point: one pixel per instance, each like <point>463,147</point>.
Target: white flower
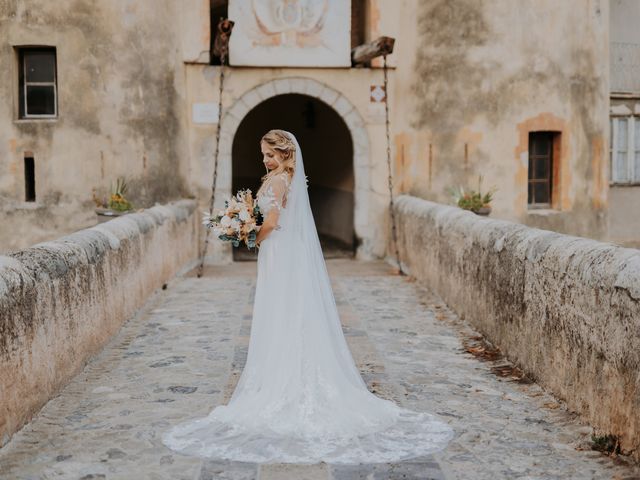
<point>225,221</point>
<point>244,215</point>
<point>235,224</point>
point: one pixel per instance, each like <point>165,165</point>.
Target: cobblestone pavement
<point>183,353</point>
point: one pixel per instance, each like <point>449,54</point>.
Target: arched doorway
<point>368,243</point>
<point>328,152</point>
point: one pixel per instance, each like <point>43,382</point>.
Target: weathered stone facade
<point>120,95</point>
<point>475,78</point>
<point>468,82</point>
<point>624,193</point>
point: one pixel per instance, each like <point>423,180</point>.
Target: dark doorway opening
<point>328,159</point>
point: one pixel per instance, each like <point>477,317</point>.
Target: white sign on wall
<point>290,33</point>
<point>205,113</point>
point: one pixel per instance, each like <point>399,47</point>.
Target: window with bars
<point>540,182</point>
<point>625,150</point>
<point>37,80</point>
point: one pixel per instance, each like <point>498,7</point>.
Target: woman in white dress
<point>300,397</point>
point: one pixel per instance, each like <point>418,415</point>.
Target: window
<point>29,179</point>
<point>625,149</point>
<point>38,90</point>
<point>541,146</point>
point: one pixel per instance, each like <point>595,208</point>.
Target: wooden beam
<point>364,53</point>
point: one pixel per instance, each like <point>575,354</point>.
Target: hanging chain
<point>203,254</point>
<point>394,234</point>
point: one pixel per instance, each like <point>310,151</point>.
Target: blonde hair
<point>281,143</point>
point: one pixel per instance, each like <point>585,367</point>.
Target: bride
<point>300,397</point>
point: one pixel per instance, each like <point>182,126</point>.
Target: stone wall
<point>61,301</point>
<point>565,309</point>
<point>474,79</point>
<point>121,112</point>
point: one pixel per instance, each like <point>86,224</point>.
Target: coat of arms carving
<point>290,32</point>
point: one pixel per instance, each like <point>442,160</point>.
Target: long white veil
<point>306,277</point>
<point>300,397</point>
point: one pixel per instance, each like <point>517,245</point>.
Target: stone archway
<point>342,106</point>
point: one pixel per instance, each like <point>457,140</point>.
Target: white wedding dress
<point>300,397</point>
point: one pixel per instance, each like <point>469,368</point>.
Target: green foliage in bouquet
<point>258,215</point>
<point>238,221</point>
<point>251,239</point>
<point>230,238</point>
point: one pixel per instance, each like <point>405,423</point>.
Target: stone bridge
<point>526,342</point>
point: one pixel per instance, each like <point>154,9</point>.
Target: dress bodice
<point>274,193</point>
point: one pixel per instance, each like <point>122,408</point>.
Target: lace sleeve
<point>277,191</point>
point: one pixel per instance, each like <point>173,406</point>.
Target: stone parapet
<point>61,301</point>
<point>565,309</point>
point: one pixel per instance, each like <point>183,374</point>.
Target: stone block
<point>282,86</point>
<point>329,96</point>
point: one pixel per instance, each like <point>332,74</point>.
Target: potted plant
<point>474,200</point>
<point>116,205</point>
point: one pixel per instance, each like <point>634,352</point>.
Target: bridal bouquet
<point>239,220</point>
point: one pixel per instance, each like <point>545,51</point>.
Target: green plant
<point>117,200</point>
<point>474,200</point>
<point>609,444</point>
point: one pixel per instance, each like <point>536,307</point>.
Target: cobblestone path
<point>182,355</point>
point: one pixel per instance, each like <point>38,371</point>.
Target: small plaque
<point>206,113</point>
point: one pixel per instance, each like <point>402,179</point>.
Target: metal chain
<point>394,234</point>
<point>215,164</point>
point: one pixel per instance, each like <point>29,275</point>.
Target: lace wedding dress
<point>300,397</point>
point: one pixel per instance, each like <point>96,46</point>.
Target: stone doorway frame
<point>343,107</point>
